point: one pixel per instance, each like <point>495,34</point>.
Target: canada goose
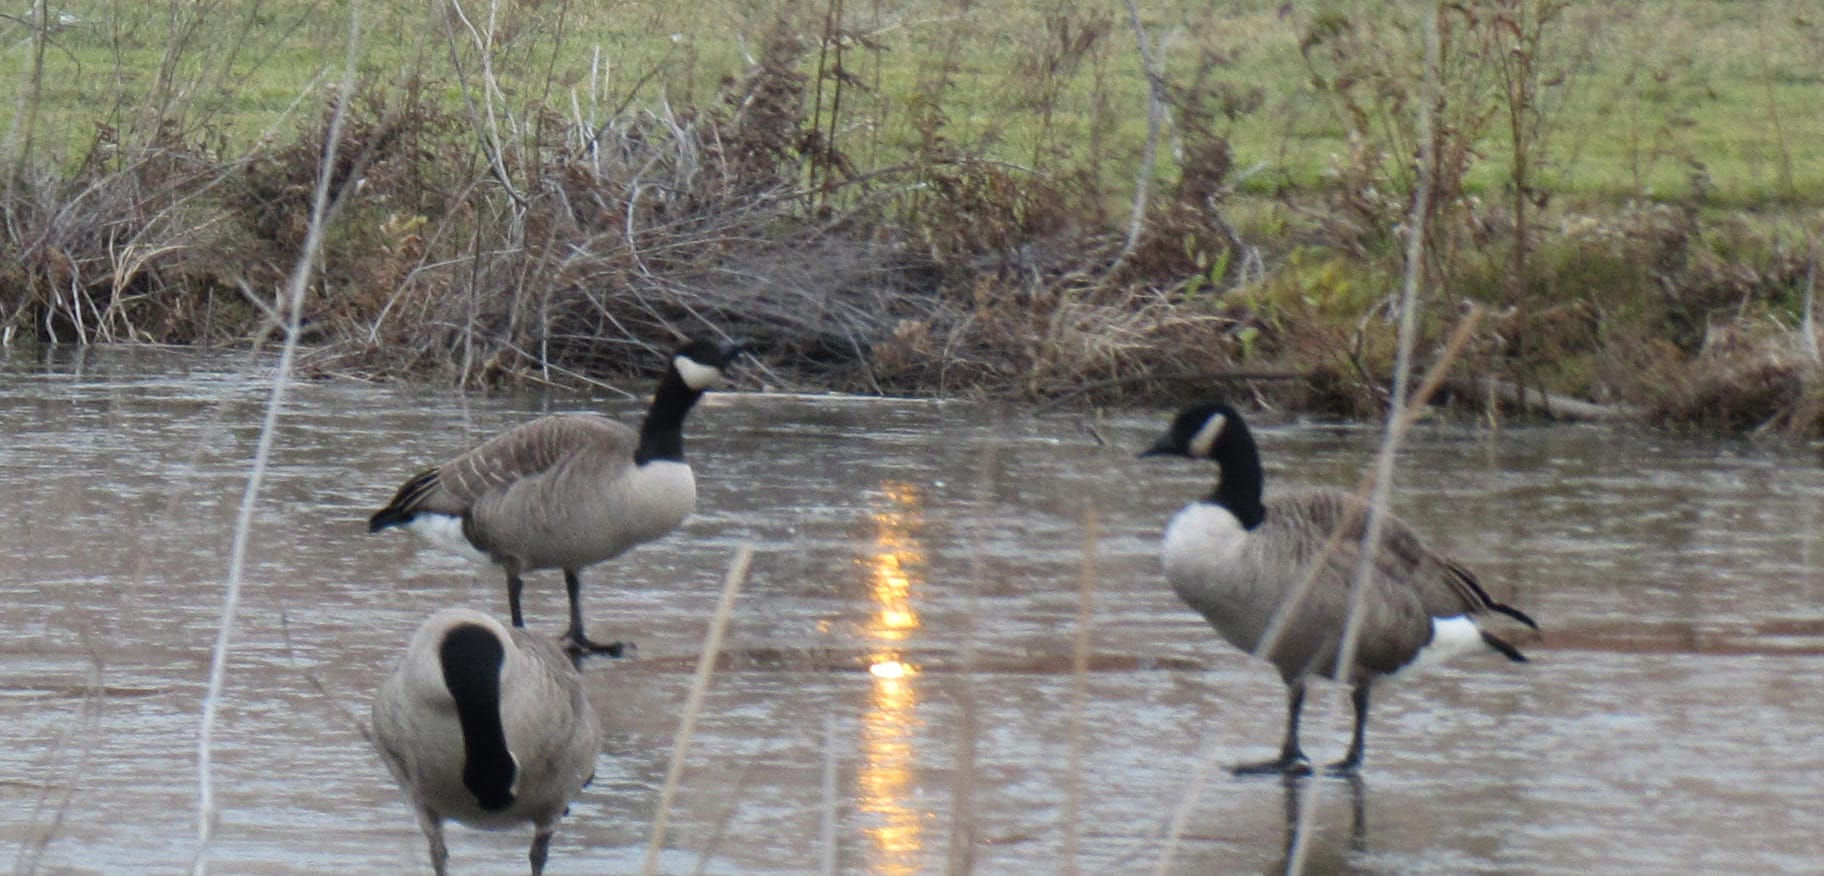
<point>488,726</point>
<point>566,491</point>
<point>1234,558</point>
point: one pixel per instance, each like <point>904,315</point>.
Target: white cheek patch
<point>1205,439</point>
<point>696,375</point>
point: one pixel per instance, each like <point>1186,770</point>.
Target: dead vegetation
<point>560,245</point>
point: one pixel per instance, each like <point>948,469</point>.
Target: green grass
<point>1655,94</point>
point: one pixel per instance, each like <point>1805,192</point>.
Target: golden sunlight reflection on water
<point>887,775</point>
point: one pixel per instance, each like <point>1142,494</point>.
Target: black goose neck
<point>472,659</point>
<point>1240,481</point>
<point>662,433</point>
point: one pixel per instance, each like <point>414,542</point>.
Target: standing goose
<point>566,491</point>
<point>488,726</point>
<point>1234,559</point>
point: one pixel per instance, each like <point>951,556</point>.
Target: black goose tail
<point>1508,651</point>
<point>1480,598</point>
<point>1512,612</point>
<point>404,505</point>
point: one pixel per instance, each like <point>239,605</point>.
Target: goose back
<point>558,492</point>
<point>549,728</point>
<point>521,452</point>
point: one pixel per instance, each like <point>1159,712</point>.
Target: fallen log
<point>1538,401</point>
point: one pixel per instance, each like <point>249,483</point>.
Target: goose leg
<point>1358,822</point>
<point>1353,760</point>
<point>514,586</point>
<point>541,846</point>
<point>1291,760</point>
<point>575,641</point>
<point>432,824</point>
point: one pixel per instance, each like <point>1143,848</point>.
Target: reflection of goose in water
<point>1235,559</point>
<point>1299,856</point>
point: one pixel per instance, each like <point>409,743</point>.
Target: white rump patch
<point>445,531</point>
<point>697,375</point>
<point>1451,637</point>
<point>1205,439</point>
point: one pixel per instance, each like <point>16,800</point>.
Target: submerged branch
<point>1551,405</point>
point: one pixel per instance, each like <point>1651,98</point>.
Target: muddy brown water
<point>898,673</point>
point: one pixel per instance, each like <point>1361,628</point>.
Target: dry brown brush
<point>520,233</point>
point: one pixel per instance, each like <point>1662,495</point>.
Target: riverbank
<point>896,205</point>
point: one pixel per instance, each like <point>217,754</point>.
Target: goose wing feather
<point>1404,562</point>
<point>515,455</point>
<point>532,449</point>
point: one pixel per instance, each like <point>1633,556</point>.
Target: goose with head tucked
<point>488,726</point>
<point>1235,556</point>
<point>567,491</point>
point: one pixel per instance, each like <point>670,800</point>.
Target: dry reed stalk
<point>731,797</point>
<point>960,859</point>
<point>693,703</point>
<point>827,828</point>
<point>1200,776</point>
<point>296,285</point>
<point>960,851</point>
<point>1809,324</point>
<point>1397,429</point>
<point>88,717</point>
<point>1079,688</point>
<point>1400,422</point>
<point>1403,411</point>
<point>1397,407</point>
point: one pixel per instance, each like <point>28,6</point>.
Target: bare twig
<point>88,716</point>
<point>1397,407</point>
<point>1153,64</point>
<point>1079,690</point>
<point>1181,816</point>
<point>297,283</point>
<point>693,704</point>
<point>25,116</point>
<point>486,123</point>
<point>1276,626</point>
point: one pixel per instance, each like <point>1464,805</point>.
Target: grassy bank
<point>941,198</point>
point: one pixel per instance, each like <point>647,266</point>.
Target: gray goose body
<point>561,492</point>
<point>488,726</point>
<point>1235,558</point>
<point>567,491</point>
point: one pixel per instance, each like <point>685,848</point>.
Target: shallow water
<point>899,664</point>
